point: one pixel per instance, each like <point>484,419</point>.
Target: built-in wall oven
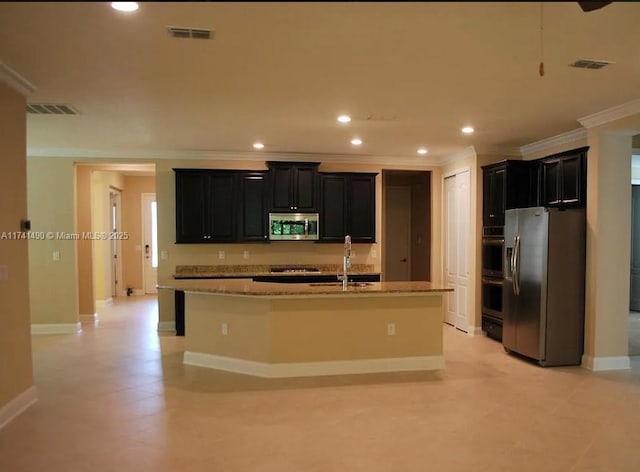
<point>492,280</point>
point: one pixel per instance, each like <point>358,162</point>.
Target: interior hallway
<point>117,398</point>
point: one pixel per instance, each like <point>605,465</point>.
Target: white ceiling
<point>411,74</point>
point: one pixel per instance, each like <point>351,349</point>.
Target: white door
<point>150,242</point>
<point>463,197</point>
<point>397,233</point>
<point>456,247</point>
<point>450,253</point>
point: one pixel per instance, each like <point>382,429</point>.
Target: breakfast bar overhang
<point>284,330</point>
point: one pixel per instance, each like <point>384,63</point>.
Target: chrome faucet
<point>346,262</point>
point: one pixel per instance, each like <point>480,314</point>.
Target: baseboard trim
<point>89,319</point>
<point>475,331</point>
<point>17,405</point>
<point>166,326</point>
<point>107,302</point>
<point>606,363</point>
<point>137,292</point>
<point>56,328</point>
<point>309,369</point>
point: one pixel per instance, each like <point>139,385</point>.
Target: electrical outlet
<point>374,253</point>
<point>4,273</point>
<point>56,255</point>
<point>221,255</point>
<point>224,328</point>
<point>353,253</point>
<point>391,329</point>
<point>246,254</point>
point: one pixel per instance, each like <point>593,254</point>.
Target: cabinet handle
<point>571,200</point>
<point>491,215</point>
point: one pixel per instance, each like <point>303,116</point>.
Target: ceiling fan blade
<point>590,6</point>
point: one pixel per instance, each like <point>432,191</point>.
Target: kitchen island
<point>291,330</point>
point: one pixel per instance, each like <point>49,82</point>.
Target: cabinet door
<point>282,187</point>
<point>486,196</point>
<point>191,196</point>
<point>571,182</point>
<point>221,207</point>
<point>551,172</point>
<point>498,194</point>
<point>361,208</point>
<point>333,194</point>
<point>304,189</point>
<point>253,208</point>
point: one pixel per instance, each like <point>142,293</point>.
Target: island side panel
<point>325,329</point>
<point>247,320</point>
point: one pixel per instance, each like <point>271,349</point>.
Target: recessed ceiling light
<point>422,151</point>
<point>344,118</point>
<point>124,6</point>
<point>467,130</point>
<point>258,146</point>
<point>356,141</point>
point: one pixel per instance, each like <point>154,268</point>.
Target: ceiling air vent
<point>195,33</point>
<point>590,64</point>
<point>50,109</point>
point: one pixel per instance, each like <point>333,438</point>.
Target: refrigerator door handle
<point>512,265</point>
<point>516,266</point>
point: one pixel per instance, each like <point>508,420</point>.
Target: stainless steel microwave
<point>293,226</point>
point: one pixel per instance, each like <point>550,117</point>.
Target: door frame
<point>115,243</point>
<point>143,195</point>
<point>470,301</point>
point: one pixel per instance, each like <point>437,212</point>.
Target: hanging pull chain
<point>541,68</point>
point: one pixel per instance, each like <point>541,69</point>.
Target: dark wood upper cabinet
<point>293,186</point>
<point>563,179</point>
<point>253,207</point>
<point>203,213</point>
<point>507,184</point>
<point>348,206</point>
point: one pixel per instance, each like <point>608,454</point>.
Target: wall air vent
<point>194,33</point>
<point>590,64</point>
<point>50,109</point>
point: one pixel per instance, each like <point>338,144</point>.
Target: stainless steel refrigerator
<point>543,294</point>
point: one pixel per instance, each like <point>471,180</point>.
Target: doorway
<point>150,242</point>
<point>115,199</point>
<point>407,225</point>
<point>456,216</point>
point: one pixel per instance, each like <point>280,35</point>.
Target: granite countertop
<point>247,287</point>
<point>240,271</point>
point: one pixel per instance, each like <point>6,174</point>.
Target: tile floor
<point>117,398</point>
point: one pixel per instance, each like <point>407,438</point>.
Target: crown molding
<point>15,81</point>
<point>418,161</point>
<point>530,149</point>
<point>611,114</point>
<point>469,151</point>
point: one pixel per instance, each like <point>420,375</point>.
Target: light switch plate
<point>56,255</point>
<point>4,273</point>
<point>164,255</point>
<point>221,255</point>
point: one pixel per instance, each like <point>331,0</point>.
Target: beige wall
<point>16,374</point>
<point>86,297</point>
<point>102,183</point>
<point>608,240</point>
<point>132,254</point>
<point>53,284</point>
<point>299,252</point>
